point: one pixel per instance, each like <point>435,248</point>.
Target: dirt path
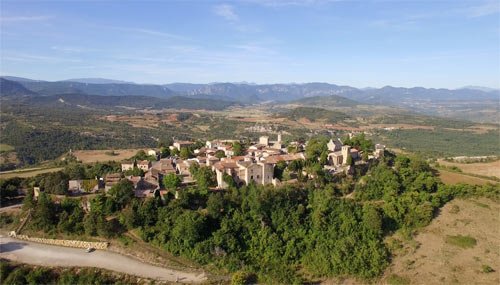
<point>480,168</point>
<point>47,255</point>
<point>449,177</point>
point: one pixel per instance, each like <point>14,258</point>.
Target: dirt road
<point>48,255</point>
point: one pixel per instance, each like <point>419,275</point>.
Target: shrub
<point>487,269</point>
<point>454,209</point>
<point>397,280</point>
<point>241,278</point>
<point>461,241</point>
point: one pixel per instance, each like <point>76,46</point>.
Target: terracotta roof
<point>245,163</point>
<point>184,142</point>
<point>233,158</point>
<point>282,157</point>
<point>113,175</point>
<point>225,165</point>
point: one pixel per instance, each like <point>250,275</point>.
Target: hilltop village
<point>231,163</point>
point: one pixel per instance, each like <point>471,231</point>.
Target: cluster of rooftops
<point>256,165</point>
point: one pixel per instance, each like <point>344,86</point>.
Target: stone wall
<point>67,243</point>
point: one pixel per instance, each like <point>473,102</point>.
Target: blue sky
<point>446,44</point>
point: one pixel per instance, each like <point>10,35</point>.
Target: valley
<point>191,212</point>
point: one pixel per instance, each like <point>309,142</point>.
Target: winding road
<point>49,255</point>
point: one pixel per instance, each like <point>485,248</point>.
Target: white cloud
<point>226,11</point>
<point>15,56</point>
<point>24,19</point>
<point>485,9</point>
<point>282,3</point>
<point>66,49</point>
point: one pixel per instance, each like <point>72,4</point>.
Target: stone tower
<point>346,151</point>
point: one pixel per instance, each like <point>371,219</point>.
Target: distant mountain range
<point>98,81</point>
<point>253,93</point>
<point>424,100</point>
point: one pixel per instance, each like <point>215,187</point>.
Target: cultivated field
<point>480,168</point>
<point>23,173</point>
<point>89,156</point>
<point>458,247</point>
<point>449,177</point>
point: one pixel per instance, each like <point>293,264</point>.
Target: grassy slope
<point>433,259</point>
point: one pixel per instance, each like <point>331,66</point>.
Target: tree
<point>372,218</point>
<point>165,142</point>
<point>364,156</point>
<point>44,215</point>
<point>56,183</point>
<point>75,171</point>
<point>220,154</point>
<point>296,165</point>
<point>238,148</point>
<point>136,171</point>
<point>205,178</point>
<point>90,223</point>
<point>8,188</point>
<point>228,179</point>
<point>279,169</point>
<point>349,161</point>
<point>174,152</point>
<point>189,228</point>
<point>164,152</point>
<point>185,153</point>
<point>315,147</point>
<point>216,205</point>
<point>29,200</point>
<point>171,181</point>
<point>122,192</point>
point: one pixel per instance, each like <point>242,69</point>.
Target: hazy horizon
<point>246,82</point>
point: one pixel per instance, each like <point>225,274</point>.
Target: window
<point>251,177</point>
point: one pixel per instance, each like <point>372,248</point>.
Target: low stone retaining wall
<point>64,242</point>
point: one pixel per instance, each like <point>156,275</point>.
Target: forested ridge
<point>289,234</point>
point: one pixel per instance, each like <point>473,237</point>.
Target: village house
<point>243,171</point>
<point>143,187</point>
<point>287,158</point>
<point>36,192</point>
<point>181,144</point>
<point>159,169</point>
<point>379,150</point>
<point>265,142</point>
<point>340,157</point>
<point>144,165</point>
<point>211,160</point>
<point>334,145</point>
<point>111,179</point>
<point>127,165</point>
<point>80,186</point>
<point>183,166</point>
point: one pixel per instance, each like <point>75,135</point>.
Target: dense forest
<point>443,142</point>
<point>12,274</point>
<point>290,234</point>
<point>315,114</point>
